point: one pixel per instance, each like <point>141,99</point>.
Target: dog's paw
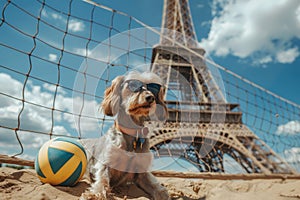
<point>97,196</point>
<point>109,196</point>
<point>162,194</point>
<point>89,196</point>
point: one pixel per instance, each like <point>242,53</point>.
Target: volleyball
<point>61,161</point>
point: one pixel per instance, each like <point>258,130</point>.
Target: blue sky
<point>278,77</point>
<point>256,40</point>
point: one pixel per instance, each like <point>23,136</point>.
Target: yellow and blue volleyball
<point>61,161</point>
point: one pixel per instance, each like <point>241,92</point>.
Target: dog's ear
<point>161,108</point>
<point>111,102</point>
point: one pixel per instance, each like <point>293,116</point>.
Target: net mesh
<point>57,60</point>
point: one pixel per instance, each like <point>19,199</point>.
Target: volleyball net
<point>57,59</point>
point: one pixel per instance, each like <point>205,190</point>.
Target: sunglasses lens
<point>154,88</point>
<point>135,85</point>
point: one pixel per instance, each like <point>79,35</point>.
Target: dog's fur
<point>113,160</point>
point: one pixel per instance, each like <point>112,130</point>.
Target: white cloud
<point>52,57</point>
<point>292,157</point>
<point>287,56</point>
<point>264,60</point>
<point>90,110</point>
<point>200,5</point>
<point>82,51</point>
<point>261,29</point>
<point>60,130</point>
<point>35,118</point>
<point>75,25</point>
<point>52,88</point>
<point>53,15</point>
<point>56,16</point>
<point>292,128</point>
<point>14,88</point>
<point>45,13</point>
<point>101,55</point>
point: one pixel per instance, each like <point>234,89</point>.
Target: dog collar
<point>135,132</point>
<point>139,134</point>
<point>138,141</point>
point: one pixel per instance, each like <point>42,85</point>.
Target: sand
<point>24,184</point>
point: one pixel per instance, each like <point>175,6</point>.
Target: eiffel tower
<point>202,127</point>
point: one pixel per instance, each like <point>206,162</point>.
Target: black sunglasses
<point>137,86</point>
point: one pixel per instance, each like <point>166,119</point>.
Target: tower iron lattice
<point>202,126</point>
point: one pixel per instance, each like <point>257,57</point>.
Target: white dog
<point>122,155</point>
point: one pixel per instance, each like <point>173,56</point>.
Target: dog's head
<point>138,94</point>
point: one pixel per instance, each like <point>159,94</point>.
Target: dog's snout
<point>150,98</point>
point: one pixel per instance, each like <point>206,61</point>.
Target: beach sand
<point>24,184</point>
